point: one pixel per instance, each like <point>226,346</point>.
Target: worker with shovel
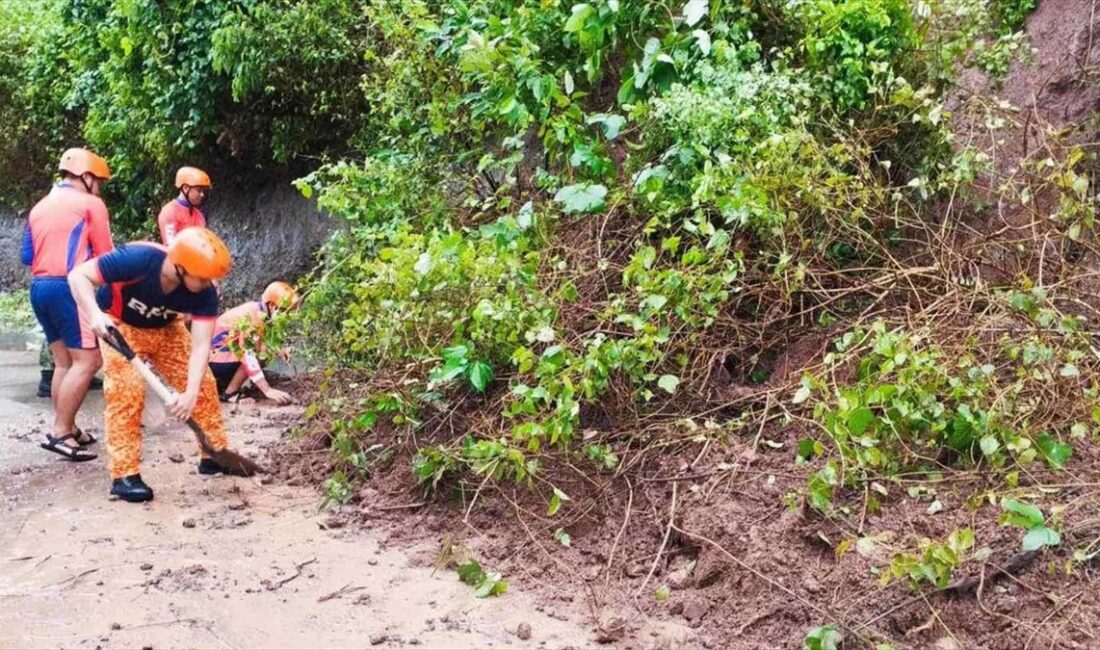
<point>238,337</point>
<point>147,288</point>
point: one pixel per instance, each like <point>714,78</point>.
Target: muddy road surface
<point>214,562</point>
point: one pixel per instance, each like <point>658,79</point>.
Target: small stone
<point>811,585</point>
<point>146,566</point>
<point>188,523</point>
<point>116,626</point>
<point>946,643</point>
<point>176,457</point>
<point>635,570</point>
<point>378,639</point>
<point>372,561</point>
<point>524,631</point>
<point>146,647</point>
<point>413,641</point>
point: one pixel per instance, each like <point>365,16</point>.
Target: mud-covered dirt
<point>216,562</point>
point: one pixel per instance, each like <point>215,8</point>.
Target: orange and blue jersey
<point>236,326</point>
<point>132,290</point>
<point>64,229</point>
<point>176,215</point>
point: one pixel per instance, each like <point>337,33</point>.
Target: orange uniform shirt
<point>64,229</point>
<point>176,215</point>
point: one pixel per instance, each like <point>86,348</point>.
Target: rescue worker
<point>238,336</point>
<point>185,210</point>
<point>146,288</point>
<point>66,228</point>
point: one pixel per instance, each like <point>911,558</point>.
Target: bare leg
<point>237,381</point>
<point>69,393</point>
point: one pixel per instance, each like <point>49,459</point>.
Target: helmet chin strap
<point>179,275</point>
<point>84,181</point>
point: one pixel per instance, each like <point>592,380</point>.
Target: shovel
<point>230,460</point>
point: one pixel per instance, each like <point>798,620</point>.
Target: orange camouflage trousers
<point>168,350</point>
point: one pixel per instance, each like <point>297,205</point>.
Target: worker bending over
<point>64,229</point>
<point>147,288</point>
<point>238,337</point>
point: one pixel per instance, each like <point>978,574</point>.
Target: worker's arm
<point>166,221</point>
<point>256,374</point>
<point>202,331</point>
<point>99,229</point>
<point>82,282</point>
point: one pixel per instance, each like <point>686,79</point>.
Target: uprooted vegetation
<point>658,258</point>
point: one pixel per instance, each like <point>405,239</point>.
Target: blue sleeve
<point>26,253</point>
<point>206,306</point>
<point>125,263</point>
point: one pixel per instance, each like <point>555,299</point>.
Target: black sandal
<point>83,439</point>
<point>58,446</point>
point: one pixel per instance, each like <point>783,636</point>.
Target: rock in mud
<point>146,566</point>
<point>378,639</point>
<point>116,626</point>
<point>611,630</point>
<point>188,523</point>
<point>524,631</point>
<point>176,457</point>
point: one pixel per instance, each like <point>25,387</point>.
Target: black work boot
<point>96,384</point>
<point>131,488</point>
<point>44,384</point>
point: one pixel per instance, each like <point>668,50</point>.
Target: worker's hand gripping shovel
<point>224,457</point>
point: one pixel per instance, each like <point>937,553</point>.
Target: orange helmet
<point>79,161</point>
<point>192,176</point>
<point>279,294</point>
<point>201,253</point>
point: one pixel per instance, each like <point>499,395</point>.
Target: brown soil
<point>707,520</point>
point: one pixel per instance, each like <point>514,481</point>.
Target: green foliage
<point>485,583</point>
<point>1030,518</point>
<point>934,564</point>
<point>723,152</point>
<point>825,637</point>
<point>911,404</point>
<point>16,314</point>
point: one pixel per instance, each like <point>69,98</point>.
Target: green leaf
<point>859,420</point>
<point>1056,452</point>
<point>1040,537</point>
<point>491,585</point>
<point>480,375</point>
<point>703,39</point>
<point>471,572</point>
<point>990,445</point>
<point>563,537</point>
<point>807,447</point>
<point>612,124</point>
<point>456,353</point>
<point>580,15</point>
<point>556,501</point>
<point>1017,513</point>
<point>825,637</point>
<point>581,198</point>
<point>694,11</point>
<point>668,383</point>
<point>801,395</point>
<point>662,593</point>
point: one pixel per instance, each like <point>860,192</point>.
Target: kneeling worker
<point>147,288</point>
<point>238,336</point>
